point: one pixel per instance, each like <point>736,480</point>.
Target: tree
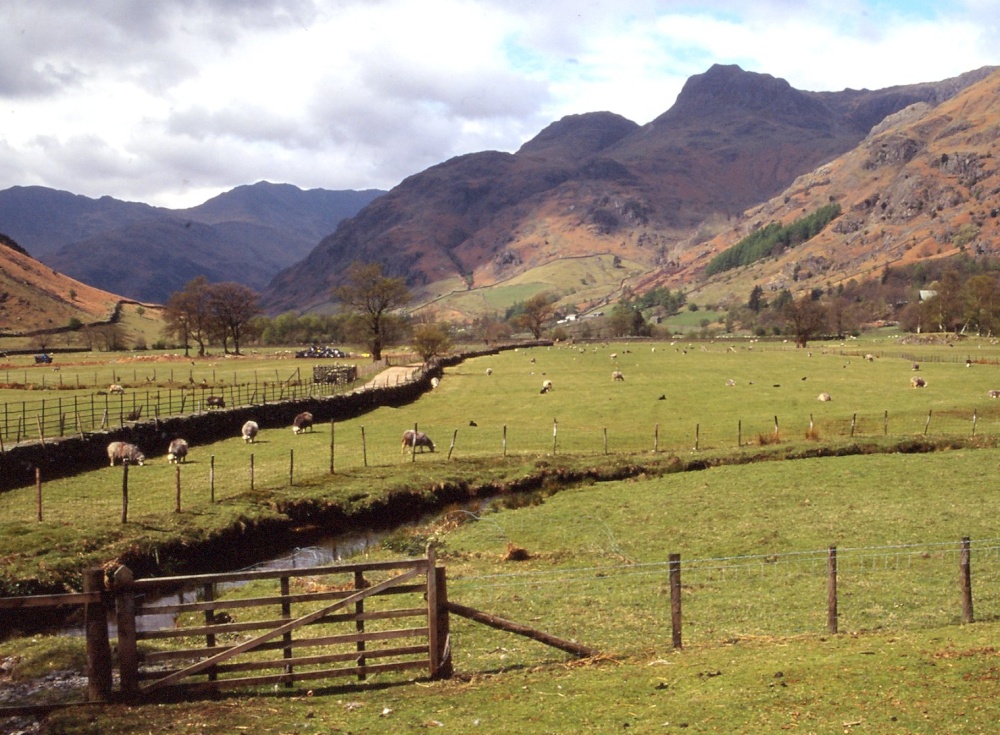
<point>806,318</point>
<point>430,340</point>
<point>371,297</point>
<point>535,313</point>
<point>626,320</point>
<point>232,307</point>
<point>490,328</point>
<point>188,315</point>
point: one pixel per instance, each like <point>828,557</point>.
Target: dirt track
<point>392,376</point>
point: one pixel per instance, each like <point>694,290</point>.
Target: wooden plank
<point>249,602</point>
<point>302,676</point>
<point>172,583</point>
<point>294,624</point>
<point>300,661</point>
<point>73,598</point>
<point>170,633</point>
<point>386,635</point>
<point>511,627</point>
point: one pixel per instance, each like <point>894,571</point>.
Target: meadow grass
<point>752,539</point>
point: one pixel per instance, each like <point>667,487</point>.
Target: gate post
<point>965,571</point>
<point>443,624</point>
<point>98,647</point>
<point>433,610</point>
<point>128,653</point>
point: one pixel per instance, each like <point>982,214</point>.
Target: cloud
<point>172,100</point>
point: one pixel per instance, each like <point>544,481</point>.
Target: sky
<point>171,102</point>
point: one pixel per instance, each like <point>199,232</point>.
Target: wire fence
<point>627,607</point>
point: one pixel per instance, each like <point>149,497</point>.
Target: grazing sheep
<point>915,366</point>
<point>870,358</point>
<point>215,402</point>
<point>617,375</point>
<point>435,382</point>
<point>730,382</point>
<point>302,422</point>
<point>547,386</point>
<point>916,382</point>
<point>489,371</point>
<point>126,453</point>
<point>115,389</point>
<point>824,397</point>
<point>249,431</point>
<point>178,451</point>
<point>416,439</point>
<point>614,355</point>
<point>994,394</point>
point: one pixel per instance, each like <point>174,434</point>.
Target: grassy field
<point>752,539</point>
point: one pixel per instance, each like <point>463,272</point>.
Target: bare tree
<point>372,297</point>
<point>188,314</point>
<point>536,312</point>
<point>232,307</point>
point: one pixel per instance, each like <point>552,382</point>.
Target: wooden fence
<point>337,621</point>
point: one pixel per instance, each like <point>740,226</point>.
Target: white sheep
<point>126,453</point>
<point>824,397</point>
<point>435,382</point>
<point>302,422</point>
<point>116,389</point>
<point>546,386</point>
<point>617,375</point>
<point>249,431</point>
<point>916,382</point>
<point>178,451</point>
<point>489,371</point>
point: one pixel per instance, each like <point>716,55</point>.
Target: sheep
<point>435,382</point>
<point>614,355</point>
<point>994,394</point>
<point>414,439</point>
<point>916,382</point>
<point>178,451</point>
<point>870,358</point>
<point>824,397</point>
<point>546,386</point>
<point>126,453</point>
<point>215,402</point>
<point>302,422</point>
<point>915,366</point>
<point>617,375</point>
<point>730,383</point>
<point>249,431</point>
<point>489,371</point>
<point>116,389</point>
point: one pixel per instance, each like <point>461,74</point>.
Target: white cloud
<point>173,101</point>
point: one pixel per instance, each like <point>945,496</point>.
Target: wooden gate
<point>349,620</point>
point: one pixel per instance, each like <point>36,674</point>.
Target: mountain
<point>595,187</point>
<point>145,253</point>
<point>923,184</point>
<point>34,297</point>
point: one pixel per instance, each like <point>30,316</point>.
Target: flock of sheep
<point>177,452</point>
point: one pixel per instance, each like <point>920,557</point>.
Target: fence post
<point>928,423</point>
<point>555,434</point>
<point>605,439</point>
<point>885,423</point>
<point>966,581</point>
<point>433,611</point>
<point>128,653</point>
<point>697,436</point>
<point>177,470</point>
<point>675,601</point>
<point>211,479</point>
<point>413,444</point>
<point>291,468</point>
<point>443,623</point>
<point>854,421</point>
<point>38,491</point>
<point>974,422</point>
<point>656,438</point>
<point>364,447</point>
<point>125,491</point>
<point>831,590</point>
<point>332,445</point>
<point>452,447</point>
<point>739,433</point>
<point>505,440</point>
<point>98,647</point>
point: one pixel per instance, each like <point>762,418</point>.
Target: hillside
<point>923,184</point>
<point>245,235</point>
<point>34,297</point>
<point>598,184</point>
